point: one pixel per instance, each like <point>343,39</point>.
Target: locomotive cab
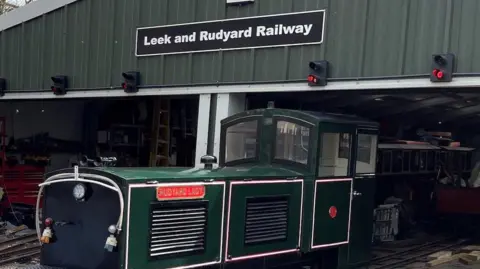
<point>291,187</point>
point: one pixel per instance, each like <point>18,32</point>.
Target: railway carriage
<point>292,188</point>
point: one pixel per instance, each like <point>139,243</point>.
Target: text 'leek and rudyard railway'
<point>264,31</point>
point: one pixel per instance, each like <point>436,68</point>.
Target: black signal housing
<point>442,67</point>
<point>60,85</point>
<point>318,73</point>
<point>131,81</point>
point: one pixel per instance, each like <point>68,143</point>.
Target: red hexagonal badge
<point>332,212</point>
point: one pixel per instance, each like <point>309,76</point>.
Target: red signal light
<point>442,67</point>
<point>312,79</point>
<point>438,73</point>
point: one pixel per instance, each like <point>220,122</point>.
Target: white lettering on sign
<point>281,29</point>
<point>166,39</point>
<point>222,35</point>
<point>274,30</point>
<point>225,35</point>
<point>186,38</point>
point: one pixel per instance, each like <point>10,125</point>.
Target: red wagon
<point>19,182</point>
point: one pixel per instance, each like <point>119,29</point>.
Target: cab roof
<point>142,174</point>
<point>314,117</point>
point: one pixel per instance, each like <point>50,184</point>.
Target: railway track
<point>18,249</point>
<point>416,254</point>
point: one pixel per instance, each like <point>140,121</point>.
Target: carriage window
<point>334,154</point>
<point>366,154</point>
<point>241,141</point>
<point>292,142</point>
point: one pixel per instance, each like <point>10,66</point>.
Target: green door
<point>363,197</point>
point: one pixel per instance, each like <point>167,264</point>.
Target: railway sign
<point>288,29</point>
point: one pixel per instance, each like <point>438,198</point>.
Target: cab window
<point>335,154</point>
<point>292,142</point>
<point>241,141</point>
<point>366,154</point>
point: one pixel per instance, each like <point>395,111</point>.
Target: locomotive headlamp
<point>79,191</point>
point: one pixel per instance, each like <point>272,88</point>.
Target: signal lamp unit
<point>442,67</point>
<point>60,85</point>
<point>131,81</point>
<point>318,73</point>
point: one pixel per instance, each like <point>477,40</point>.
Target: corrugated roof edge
<point>30,12</point>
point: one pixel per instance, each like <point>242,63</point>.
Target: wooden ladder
<point>160,138</point>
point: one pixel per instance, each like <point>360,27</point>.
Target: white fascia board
<point>30,11</point>
<point>360,85</point>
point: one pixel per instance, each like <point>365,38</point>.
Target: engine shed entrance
<point>426,166</point>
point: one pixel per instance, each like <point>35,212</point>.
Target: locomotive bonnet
<point>286,190</point>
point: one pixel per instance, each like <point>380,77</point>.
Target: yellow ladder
<point>160,138</point>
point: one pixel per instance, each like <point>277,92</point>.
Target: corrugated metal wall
<point>93,41</point>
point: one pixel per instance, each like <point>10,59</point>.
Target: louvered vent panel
<point>266,220</point>
<point>178,228</point>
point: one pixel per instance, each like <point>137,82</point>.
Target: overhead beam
<point>343,100</point>
<point>461,113</point>
<point>418,105</point>
<point>446,117</point>
<point>467,84</point>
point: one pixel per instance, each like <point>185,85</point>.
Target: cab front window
<point>292,142</point>
<point>241,141</point>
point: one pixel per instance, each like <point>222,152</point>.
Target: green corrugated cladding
<point>92,41</point>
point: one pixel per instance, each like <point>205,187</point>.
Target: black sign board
<point>290,29</point>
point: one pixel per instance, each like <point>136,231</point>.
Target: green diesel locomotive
<point>292,189</point>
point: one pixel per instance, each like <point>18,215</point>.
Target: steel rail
<point>19,249</point>
<point>28,254</point>
<point>413,248</point>
<point>402,261</point>
<point>15,241</point>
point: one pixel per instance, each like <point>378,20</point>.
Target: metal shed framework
<point>97,55</point>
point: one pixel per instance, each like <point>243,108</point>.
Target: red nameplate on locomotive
<point>180,192</point>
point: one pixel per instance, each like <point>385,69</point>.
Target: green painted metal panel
<point>140,229</point>
<point>239,195</point>
<point>361,224</point>
<point>93,41</point>
<point>309,189</point>
<point>327,229</point>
